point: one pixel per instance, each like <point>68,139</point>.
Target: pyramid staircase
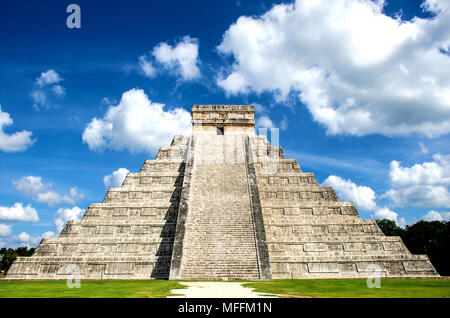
<point>219,224</point>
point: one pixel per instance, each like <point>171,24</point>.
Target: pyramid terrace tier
<point>118,227</point>
<point>149,212</point>
<point>118,246</point>
<point>89,267</point>
<point>359,266</point>
<point>272,208</point>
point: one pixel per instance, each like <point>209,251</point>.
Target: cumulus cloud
<point>18,212</point>
<point>182,59</point>
<point>386,213</point>
<point>436,216</point>
<point>34,187</point>
<point>30,185</point>
<point>49,234</point>
<point>18,141</point>
<point>264,122</point>
<point>146,67</point>
<point>25,239</point>
<point>423,185</point>
<point>46,88</point>
<point>5,230</point>
<point>49,77</point>
<point>64,215</point>
<point>136,124</point>
<point>362,196</point>
<point>116,178</point>
<point>29,240</point>
<point>357,70</point>
<point>52,198</point>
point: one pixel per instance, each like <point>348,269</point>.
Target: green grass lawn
<point>88,288</point>
<point>356,288</point>
<point>332,288</point>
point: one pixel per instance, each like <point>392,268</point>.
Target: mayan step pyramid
<point>221,204</point>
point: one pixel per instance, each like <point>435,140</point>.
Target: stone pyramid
<point>221,204</point>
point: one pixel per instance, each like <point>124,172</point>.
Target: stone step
<point>292,219</point>
<point>349,258</point>
<point>344,238</point>
<point>151,204</point>
<point>291,187</point>
<point>80,258</point>
<point>219,225</point>
<point>223,247</point>
<point>218,271</point>
<point>338,254</point>
<point>221,230</point>
<point>216,261</point>
<point>109,239</point>
<point>119,222</point>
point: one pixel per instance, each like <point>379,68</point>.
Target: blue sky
<point>359,89</point>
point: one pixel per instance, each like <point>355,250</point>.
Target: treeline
<point>430,238</point>
<point>9,255</point>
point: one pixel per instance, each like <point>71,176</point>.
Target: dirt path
<point>217,290</point>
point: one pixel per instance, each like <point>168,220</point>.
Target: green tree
<point>389,228</point>
<point>433,239</point>
<point>9,256</point>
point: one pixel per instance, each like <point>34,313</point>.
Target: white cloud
<point>259,109</point>
<point>45,88</point>
<point>64,215</point>
<point>47,78</point>
<point>19,213</point>
<point>362,196</point>
<point>436,216</point>
<point>136,124</point>
<point>52,198</point>
<point>49,234</point>
<point>423,148</point>
<point>59,90</point>
<point>182,58</point>
<point>146,67</point>
<point>386,213</point>
<point>5,229</point>
<point>30,185</point>
<point>33,186</point>
<point>23,237</point>
<point>116,178</point>
<point>357,70</point>
<point>26,239</point>
<point>284,123</point>
<point>264,122</point>
<point>18,141</point>
<point>424,185</point>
